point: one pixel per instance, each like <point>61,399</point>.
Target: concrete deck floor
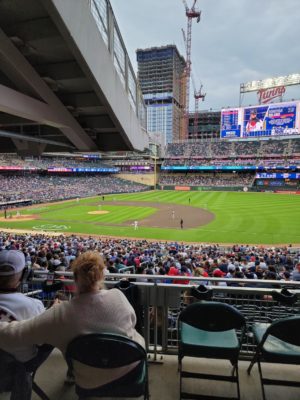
<point>164,380</point>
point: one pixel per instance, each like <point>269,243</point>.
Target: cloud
<point>236,40</point>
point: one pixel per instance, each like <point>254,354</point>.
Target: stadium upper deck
<point>64,84</point>
<point>248,152</point>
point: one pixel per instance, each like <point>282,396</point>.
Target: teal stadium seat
<point>278,342</point>
<point>209,330</point>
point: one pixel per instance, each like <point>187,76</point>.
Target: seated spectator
<point>207,179</point>
<point>42,188</point>
<point>217,273</point>
<point>296,273</point>
<point>15,306</point>
<point>286,276</point>
<point>60,324</point>
<point>119,265</point>
<point>231,271</point>
<point>184,272</point>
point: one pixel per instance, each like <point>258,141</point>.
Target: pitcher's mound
<point>18,218</point>
<point>98,212</point>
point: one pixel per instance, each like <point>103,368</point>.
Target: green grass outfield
<point>258,218</point>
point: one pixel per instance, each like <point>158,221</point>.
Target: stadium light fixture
<point>254,86</point>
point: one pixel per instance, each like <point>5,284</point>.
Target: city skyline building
<point>161,77</point>
<point>208,124</point>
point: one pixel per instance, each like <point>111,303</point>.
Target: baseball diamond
<point>219,217</point>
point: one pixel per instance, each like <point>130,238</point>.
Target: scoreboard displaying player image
<point>280,119</point>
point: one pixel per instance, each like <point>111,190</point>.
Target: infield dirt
<point>192,217</point>
<point>19,218</point>
<point>98,212</point>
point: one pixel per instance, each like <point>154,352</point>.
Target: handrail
<point>190,278</point>
<point>157,279</point>
<point>162,302</point>
<point>122,270</point>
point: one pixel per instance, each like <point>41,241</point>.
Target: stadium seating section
<point>241,152</point>
<point>44,188</point>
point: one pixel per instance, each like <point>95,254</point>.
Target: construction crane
<point>198,95</point>
<point>191,13</point>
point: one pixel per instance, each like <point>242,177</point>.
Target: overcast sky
<point>236,41</point>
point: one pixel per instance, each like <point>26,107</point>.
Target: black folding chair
<point>201,293</point>
<point>278,342</point>
<point>18,378</point>
<point>111,351</point>
<point>209,330</point>
<point>285,297</point>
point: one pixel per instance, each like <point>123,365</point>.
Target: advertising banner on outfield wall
<point>266,175</point>
<point>280,119</point>
<point>183,188</point>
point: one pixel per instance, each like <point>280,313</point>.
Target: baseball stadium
<point>148,248</point>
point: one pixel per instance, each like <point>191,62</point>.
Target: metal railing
<point>161,300</point>
<point>110,32</point>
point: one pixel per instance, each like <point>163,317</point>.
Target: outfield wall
<point>286,189</point>
<point>204,188</point>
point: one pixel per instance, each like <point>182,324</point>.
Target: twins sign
<point>265,96</point>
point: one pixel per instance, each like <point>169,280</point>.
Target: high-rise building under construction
<point>161,76</point>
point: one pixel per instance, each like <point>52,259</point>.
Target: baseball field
<point>216,217</point>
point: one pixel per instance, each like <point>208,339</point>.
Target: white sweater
<point>17,307</point>
<point>104,311</point>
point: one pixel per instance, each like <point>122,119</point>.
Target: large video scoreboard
<point>278,119</point>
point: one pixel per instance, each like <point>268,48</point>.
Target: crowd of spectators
<point>293,161</point>
<point>295,147</point>
<point>198,149</point>
<point>257,162</point>
<point>171,162</point>
<point>41,188</point>
<point>256,150</point>
<point>270,147</point>
<point>220,162</point>
<point>249,148</point>
<point>13,160</point>
<point>208,179</point>
<point>176,149</point>
<point>46,253</point>
<point>221,149</point>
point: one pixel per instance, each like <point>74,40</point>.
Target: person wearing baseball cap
<point>63,322</point>
<point>15,306</point>
<point>12,264</point>
<point>254,124</point>
<point>219,274</point>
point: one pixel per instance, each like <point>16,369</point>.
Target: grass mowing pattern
<point>261,218</point>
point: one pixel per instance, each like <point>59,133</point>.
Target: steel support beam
<point>79,29</point>
<point>20,139</point>
<point>21,67</point>
<point>18,104</point>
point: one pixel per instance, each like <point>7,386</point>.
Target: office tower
<point>161,76</point>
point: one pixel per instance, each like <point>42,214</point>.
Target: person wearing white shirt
<point>15,306</point>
